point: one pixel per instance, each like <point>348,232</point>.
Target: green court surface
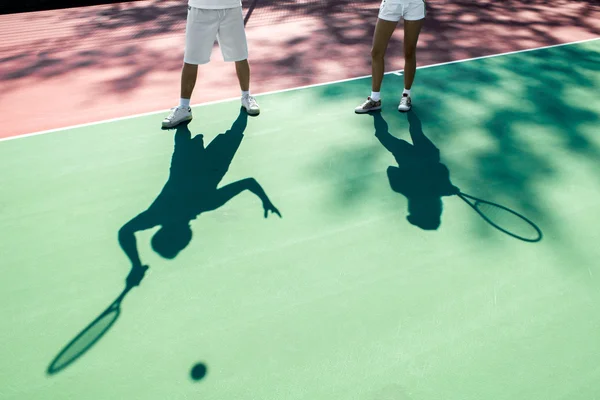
<point>341,298</point>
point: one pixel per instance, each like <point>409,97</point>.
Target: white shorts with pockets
<point>204,26</point>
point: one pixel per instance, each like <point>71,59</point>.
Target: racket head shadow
<point>504,219</point>
<point>87,337</point>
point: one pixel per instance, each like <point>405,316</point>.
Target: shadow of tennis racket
<point>504,219</point>
<point>95,330</point>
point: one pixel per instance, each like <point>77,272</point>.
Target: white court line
<point>398,72</point>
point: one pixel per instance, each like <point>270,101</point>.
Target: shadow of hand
<point>269,207</point>
<point>136,274</point>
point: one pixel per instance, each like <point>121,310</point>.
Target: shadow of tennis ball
<point>198,372</point>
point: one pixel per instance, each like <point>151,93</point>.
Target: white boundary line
<point>398,72</point>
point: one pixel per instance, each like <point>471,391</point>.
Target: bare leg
<point>383,33</point>
<point>182,112</point>
<point>411,37</point>
<point>188,80</point>
<point>242,68</point>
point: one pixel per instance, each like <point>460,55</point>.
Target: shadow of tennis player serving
<point>192,189</point>
<point>424,180</point>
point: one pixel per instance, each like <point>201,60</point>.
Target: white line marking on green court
<point>397,72</point>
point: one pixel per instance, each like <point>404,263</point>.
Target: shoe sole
<point>403,111</point>
<point>252,113</point>
<point>359,111</point>
<point>169,126</point>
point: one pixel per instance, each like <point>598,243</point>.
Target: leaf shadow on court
<point>300,33</point>
<point>508,127</point>
<point>191,189</point>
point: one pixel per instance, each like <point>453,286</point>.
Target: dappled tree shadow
<point>303,42</point>
<point>307,41</point>
<point>494,120</point>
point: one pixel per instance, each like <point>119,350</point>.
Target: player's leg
<point>200,35</point>
<point>234,47</point>
<point>189,73</point>
<point>414,17</point>
<point>383,33</point>
<point>242,68</point>
<point>389,15</point>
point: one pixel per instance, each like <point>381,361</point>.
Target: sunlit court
<point>308,250</point>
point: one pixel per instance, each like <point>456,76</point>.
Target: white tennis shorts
<point>204,26</point>
<point>394,10</point>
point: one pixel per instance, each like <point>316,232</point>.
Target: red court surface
<point>67,67</point>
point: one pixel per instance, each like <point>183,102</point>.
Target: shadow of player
<point>419,176</point>
<point>192,189</point>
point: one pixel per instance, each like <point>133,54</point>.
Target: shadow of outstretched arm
<point>228,192</point>
<point>128,243</point>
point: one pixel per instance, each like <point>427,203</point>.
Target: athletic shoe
<point>368,105</point>
<point>177,116</point>
<point>250,104</point>
<point>405,103</point>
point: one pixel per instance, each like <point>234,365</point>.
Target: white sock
<point>406,91</point>
<point>245,93</point>
<point>375,96</point>
<point>184,102</point>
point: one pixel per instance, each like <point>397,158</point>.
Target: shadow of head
<point>425,212</point>
<point>171,239</point>
<point>423,185</point>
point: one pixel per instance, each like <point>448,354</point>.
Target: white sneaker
<point>405,103</point>
<point>368,105</point>
<point>250,104</point>
<point>177,116</point>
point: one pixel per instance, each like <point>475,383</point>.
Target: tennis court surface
<point>341,298</point>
